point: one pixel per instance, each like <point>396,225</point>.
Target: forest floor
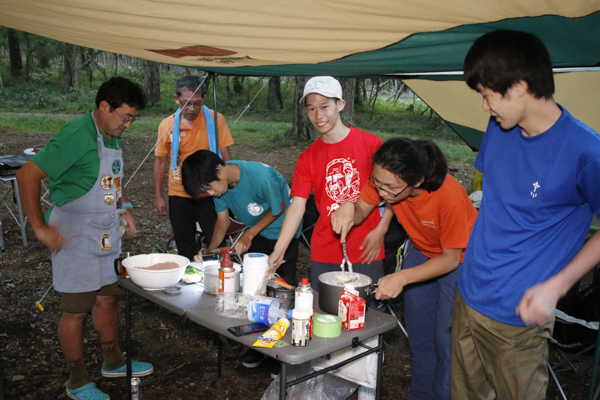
<point>184,354</point>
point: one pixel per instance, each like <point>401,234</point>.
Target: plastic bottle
<point>267,310</point>
<point>255,308</point>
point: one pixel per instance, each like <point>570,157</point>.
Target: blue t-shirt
<point>539,195</point>
<point>260,189</point>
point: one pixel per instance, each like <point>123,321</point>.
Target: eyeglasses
<point>189,104</point>
<point>126,120</point>
<point>394,195</point>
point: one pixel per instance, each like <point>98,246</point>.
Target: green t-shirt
<point>70,159</point>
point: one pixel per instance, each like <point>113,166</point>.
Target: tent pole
<point>215,110</point>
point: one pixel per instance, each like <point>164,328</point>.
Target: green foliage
<point>265,135</point>
<point>256,127</point>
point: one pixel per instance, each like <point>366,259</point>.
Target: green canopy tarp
<point>422,42</point>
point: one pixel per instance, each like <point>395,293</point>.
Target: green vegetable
<point>192,270</point>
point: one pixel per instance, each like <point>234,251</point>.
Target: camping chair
<point>234,232</point>
<point>577,323</point>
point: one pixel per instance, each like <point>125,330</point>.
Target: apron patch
<point>106,181</point>
<point>106,242</point>
<point>118,182</point>
<point>119,198</point>
<point>116,166</point>
<point>109,198</point>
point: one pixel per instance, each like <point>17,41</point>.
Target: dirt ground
<point>184,354</point>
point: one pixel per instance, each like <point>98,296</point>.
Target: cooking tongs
<point>343,278</point>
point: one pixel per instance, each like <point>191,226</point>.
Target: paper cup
<point>255,266</point>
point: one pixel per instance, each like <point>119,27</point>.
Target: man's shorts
<point>84,302</point>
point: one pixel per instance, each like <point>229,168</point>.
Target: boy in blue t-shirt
<point>256,194</point>
<point>540,189</point>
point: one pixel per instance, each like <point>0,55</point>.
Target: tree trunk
<point>152,81</point>
<point>348,90</point>
<point>238,86</point>
<point>302,125</point>
<point>70,66</point>
<point>274,100</point>
<point>358,93</point>
<point>14,48</point>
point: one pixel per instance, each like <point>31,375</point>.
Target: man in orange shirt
<point>438,216</point>
<point>190,129</point>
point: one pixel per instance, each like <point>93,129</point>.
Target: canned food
<point>136,389</point>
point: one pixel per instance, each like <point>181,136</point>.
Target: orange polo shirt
<point>191,140</point>
<point>443,218</point>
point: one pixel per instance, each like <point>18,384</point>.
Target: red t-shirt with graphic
<point>337,172</point>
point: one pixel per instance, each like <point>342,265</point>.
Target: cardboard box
<point>351,310</point>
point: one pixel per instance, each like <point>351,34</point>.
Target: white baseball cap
<point>324,85</point>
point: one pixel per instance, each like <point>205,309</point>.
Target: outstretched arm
<point>390,286</point>
<point>246,239</point>
<point>291,222</point>
<point>348,215</point>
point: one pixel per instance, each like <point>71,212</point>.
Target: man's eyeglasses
<point>126,120</point>
<point>387,191</point>
<point>189,104</point>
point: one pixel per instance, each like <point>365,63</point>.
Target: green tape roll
<point>327,326</point>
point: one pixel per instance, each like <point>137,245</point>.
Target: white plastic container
<point>255,266</point>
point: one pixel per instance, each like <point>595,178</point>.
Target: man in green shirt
<point>84,165</point>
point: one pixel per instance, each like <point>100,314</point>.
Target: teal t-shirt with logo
<point>260,189</point>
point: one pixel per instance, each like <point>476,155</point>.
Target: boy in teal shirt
<point>256,194</point>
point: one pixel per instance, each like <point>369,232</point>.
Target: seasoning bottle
<point>226,273</point>
<point>301,326</point>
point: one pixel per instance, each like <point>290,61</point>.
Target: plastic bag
<point>326,386</point>
<point>362,371</point>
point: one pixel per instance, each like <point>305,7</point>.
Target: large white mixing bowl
<point>155,278</point>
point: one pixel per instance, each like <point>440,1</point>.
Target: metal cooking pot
<point>211,276</point>
<point>330,290</point>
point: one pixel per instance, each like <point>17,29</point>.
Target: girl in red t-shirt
<point>438,217</point>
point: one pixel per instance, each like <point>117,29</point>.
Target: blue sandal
<point>87,392</point>
<point>137,369</point>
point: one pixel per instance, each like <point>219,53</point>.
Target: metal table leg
<point>19,211</point>
<point>283,381</point>
<point>379,368</point>
<point>128,340</point>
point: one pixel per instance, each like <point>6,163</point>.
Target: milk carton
<point>351,309</point>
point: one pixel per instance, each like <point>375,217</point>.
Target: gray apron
<point>92,226</point>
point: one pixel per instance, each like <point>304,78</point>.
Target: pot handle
<point>371,289</point>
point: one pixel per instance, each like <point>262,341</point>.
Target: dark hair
<point>118,90</point>
<point>412,160</point>
<point>199,170</point>
<point>499,59</point>
<point>191,83</point>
